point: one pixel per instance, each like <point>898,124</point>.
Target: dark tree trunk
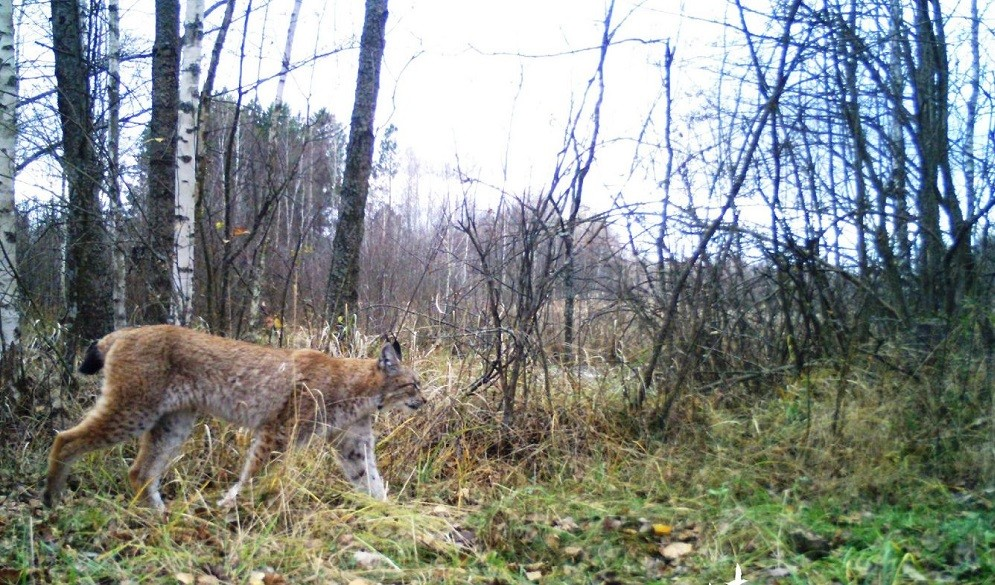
<point>87,261</point>
<point>929,83</point>
<point>584,162</point>
<point>161,204</point>
<point>341,292</point>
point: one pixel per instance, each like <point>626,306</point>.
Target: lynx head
<point>400,387</point>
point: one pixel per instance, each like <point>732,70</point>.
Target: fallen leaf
<point>264,578</point>
<point>573,552</point>
<point>185,578</point>
<point>360,581</point>
<point>688,534</point>
<point>533,575</point>
<point>662,529</point>
<point>913,574</point>
<point>567,523</point>
<point>608,578</point>
<point>345,539</point>
<point>655,568</point>
<point>431,542</point>
<point>371,560</point>
<point>857,518</point>
<point>465,537</point>
<point>207,580</point>
<point>9,575</point>
<point>675,550</point>
<point>809,544</point>
<point>216,571</point>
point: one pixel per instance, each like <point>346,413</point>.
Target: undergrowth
<point>578,492</point>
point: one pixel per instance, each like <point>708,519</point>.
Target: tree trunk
<point>256,305</point>
<point>584,162</point>
<point>161,205</point>
<point>971,122</point>
<point>87,264</point>
<point>9,314</point>
<point>186,161</point>
<point>118,258</point>
<point>930,137</point>
<point>341,291</point>
<point>897,148</point>
<point>895,268</point>
<point>288,48</point>
<point>204,111</point>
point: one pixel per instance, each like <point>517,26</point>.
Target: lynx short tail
<point>93,361</point>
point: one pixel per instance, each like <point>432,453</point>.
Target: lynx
<point>157,379</point>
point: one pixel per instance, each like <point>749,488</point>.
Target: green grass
<point>581,498</point>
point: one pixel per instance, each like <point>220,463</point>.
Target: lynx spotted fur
<point>157,379</point>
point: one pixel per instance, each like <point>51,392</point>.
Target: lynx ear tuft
<point>390,360</point>
<point>397,349</point>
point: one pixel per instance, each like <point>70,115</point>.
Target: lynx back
<point>158,379</point>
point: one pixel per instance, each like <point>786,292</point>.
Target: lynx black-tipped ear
<point>397,349</point>
<point>390,361</point>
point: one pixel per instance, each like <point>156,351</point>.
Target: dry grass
<point>564,498</point>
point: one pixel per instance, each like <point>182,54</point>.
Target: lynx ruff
<point>157,380</point>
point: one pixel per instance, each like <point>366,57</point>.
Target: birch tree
<point>186,160</point>
<point>287,50</point>
<point>280,124</point>
<point>343,276</point>
<point>9,316</point>
<point>118,266</point>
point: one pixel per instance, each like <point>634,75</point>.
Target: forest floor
<point>580,493</point>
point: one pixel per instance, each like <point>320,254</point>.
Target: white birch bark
<point>285,65</point>
<point>974,82</point>
<point>255,299</point>
<point>186,160</point>
<point>9,317</point>
<point>118,266</point>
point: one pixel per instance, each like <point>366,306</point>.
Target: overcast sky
<point>490,84</point>
<point>493,83</point>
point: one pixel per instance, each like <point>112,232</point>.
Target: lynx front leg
<point>359,462</point>
<point>267,440</point>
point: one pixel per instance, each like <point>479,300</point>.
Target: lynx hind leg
<point>105,426</point>
<point>267,440</point>
<point>355,446</point>
<point>158,447</point>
